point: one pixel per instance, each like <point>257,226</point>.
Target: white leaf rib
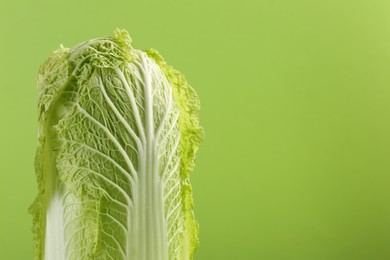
<point>149,119</point>
<point>132,103</point>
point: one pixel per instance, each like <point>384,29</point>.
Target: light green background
<point>295,104</point>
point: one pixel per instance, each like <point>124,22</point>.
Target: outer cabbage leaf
<point>118,133</point>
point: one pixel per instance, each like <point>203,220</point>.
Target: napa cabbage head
<point>118,133</point>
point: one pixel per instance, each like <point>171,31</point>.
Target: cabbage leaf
<point>118,132</point>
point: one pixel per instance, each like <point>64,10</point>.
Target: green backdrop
<point>295,105</point>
